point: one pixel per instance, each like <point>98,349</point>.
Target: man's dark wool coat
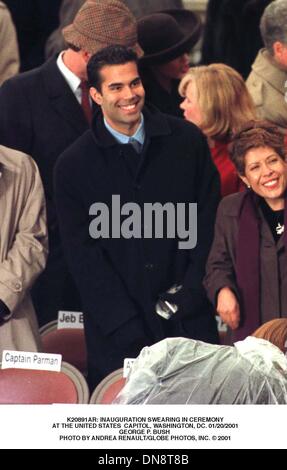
<point>41,117</point>
<point>231,33</point>
<point>121,279</point>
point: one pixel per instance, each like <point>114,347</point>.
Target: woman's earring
<point>248,186</point>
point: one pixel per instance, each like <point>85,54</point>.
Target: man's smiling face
<point>121,96</point>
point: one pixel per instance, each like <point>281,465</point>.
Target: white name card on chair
<point>68,319</point>
<point>128,363</point>
<point>31,360</point>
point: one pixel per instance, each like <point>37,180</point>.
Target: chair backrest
<point>107,390</point>
<point>28,386</point>
<point>70,342</point>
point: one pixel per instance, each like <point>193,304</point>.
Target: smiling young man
<point>139,156</point>
<point>119,92</point>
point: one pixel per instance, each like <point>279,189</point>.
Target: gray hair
<point>273,24</point>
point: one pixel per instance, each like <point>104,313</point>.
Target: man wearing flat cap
<point>45,110</point>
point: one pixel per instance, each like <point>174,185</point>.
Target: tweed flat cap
<point>101,23</point>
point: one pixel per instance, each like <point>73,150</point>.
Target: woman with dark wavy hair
<point>231,33</point>
<point>246,276</point>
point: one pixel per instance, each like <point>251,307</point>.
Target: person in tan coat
<point>9,53</point>
<point>268,78</point>
<point>23,248</point>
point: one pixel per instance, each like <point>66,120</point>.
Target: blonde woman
<point>217,101</point>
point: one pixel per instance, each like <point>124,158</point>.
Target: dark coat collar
<point>156,124</point>
<point>61,96</point>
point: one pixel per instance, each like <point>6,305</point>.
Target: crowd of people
<point>115,123</point>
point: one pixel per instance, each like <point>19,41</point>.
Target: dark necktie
<point>85,101</point>
<point>136,145</point>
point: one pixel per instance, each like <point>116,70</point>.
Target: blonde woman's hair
<point>223,99</point>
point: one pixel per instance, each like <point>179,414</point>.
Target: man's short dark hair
<point>74,48</point>
<point>111,55</point>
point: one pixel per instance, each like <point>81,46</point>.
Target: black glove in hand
<point>168,303</point>
<point>187,301</point>
<point>165,309</point>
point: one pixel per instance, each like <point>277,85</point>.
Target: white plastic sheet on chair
<point>180,370</point>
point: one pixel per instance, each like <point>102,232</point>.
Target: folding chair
<point>70,342</point>
<point>28,386</point>
<point>107,390</point>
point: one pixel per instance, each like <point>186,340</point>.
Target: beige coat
<point>23,247</point>
<point>268,88</point>
<point>9,53</point>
